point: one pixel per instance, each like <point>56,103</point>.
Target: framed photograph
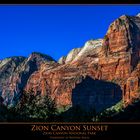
<point>70,71</point>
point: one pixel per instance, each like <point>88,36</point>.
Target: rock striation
<point>15,72</point>
<point>98,75</point>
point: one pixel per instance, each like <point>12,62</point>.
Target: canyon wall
<point>98,75</point>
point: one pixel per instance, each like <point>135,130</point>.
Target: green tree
<point>35,107</point>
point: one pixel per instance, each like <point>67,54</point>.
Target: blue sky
<point>53,29</point>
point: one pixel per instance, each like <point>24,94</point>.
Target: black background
<point>70,2</point>
<point>115,131</point>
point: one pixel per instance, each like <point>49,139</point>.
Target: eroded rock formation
<point>112,63</point>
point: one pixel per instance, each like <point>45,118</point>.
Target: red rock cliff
<point>116,60</point>
<point>110,64</point>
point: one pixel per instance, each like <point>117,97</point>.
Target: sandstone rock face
<point>114,59</point>
<point>97,75</point>
<point>70,57</point>
<point>132,86</point>
<point>62,60</point>
<point>7,68</point>
<point>72,54</point>
<point>90,49</point>
<point>15,73</point>
<point>120,52</point>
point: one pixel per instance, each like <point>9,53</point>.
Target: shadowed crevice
<point>90,97</point>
